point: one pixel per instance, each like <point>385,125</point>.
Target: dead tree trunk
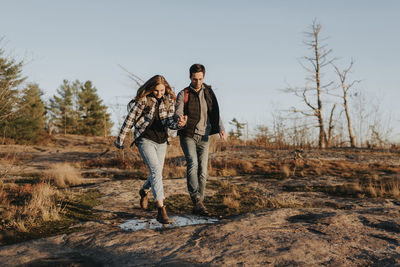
<point>316,62</point>
<point>331,126</point>
<point>345,88</point>
<point>322,142</point>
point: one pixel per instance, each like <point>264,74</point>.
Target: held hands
<point>182,120</point>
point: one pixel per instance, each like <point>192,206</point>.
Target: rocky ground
<point>297,226</point>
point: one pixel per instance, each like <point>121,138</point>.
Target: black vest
<point>192,110</point>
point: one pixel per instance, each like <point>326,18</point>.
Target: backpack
<point>186,96</point>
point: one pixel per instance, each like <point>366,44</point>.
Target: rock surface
<point>367,233</point>
<point>317,229</point>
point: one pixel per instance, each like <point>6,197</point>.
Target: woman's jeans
<point>196,153</point>
<point>153,155</point>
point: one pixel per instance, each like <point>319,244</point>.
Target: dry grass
<point>394,188</point>
<point>42,204</point>
<point>25,206</point>
<point>63,174</point>
<point>230,195</point>
<point>285,170</point>
<point>230,167</point>
<point>284,202</point>
<point>19,224</point>
<point>388,187</point>
<point>236,199</point>
<point>174,171</point>
<point>231,202</point>
<point>3,195</point>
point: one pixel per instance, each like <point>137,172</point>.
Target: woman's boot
<point>162,216</point>
<point>144,202</point>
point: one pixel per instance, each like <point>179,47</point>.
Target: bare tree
<point>345,88</point>
<point>330,127</point>
<point>318,60</point>
<point>138,81</point>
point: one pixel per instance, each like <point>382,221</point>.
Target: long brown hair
<point>148,87</point>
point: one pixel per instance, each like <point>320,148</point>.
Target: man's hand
<point>182,120</point>
<point>117,145</point>
<point>222,135</point>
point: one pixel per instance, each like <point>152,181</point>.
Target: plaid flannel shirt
<point>141,115</point>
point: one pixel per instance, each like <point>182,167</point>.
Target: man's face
<point>197,80</point>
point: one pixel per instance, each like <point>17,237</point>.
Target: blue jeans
<point>153,155</point>
<point>196,153</point>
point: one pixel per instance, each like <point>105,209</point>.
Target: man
<point>200,104</point>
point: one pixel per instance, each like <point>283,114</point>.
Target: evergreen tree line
<point>26,117</point>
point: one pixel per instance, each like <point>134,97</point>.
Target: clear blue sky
<point>250,48</point>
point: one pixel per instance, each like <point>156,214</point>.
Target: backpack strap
<point>186,96</point>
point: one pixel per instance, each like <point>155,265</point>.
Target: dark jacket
<point>192,110</point>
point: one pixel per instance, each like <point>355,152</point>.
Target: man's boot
<point>144,199</point>
<point>162,216</point>
<point>199,208</point>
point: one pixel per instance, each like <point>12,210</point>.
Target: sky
<point>251,49</point>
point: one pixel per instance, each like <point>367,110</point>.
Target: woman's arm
<point>174,121</point>
<point>130,120</point>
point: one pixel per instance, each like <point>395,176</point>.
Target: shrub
<point>63,174</point>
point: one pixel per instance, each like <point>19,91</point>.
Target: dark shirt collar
<point>192,88</point>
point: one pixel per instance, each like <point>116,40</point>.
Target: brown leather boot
<point>199,208</point>
<point>162,216</point>
<point>144,199</point>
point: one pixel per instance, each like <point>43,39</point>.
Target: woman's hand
<point>118,145</point>
<point>182,120</point>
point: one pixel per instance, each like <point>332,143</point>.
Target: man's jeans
<point>196,153</point>
<point>153,155</point>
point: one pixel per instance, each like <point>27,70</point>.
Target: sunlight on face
<point>197,80</point>
<point>159,91</point>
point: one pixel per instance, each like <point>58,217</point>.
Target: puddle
<point>177,221</point>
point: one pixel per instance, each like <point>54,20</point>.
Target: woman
<point>152,113</point>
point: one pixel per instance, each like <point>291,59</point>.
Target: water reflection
<point>139,224</point>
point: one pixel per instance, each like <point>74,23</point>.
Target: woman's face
<point>159,91</point>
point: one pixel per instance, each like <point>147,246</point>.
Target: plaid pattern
<point>142,114</point>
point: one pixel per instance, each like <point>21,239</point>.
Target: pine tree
<point>94,117</point>
<point>239,128</point>
<point>10,79</point>
<point>64,109</point>
<point>29,122</point>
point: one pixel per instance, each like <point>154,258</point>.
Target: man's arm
<point>180,104</point>
<point>221,125</point>
<point>222,133</point>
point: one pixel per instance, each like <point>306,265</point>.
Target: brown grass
<point>373,187</point>
<point>285,170</point>
<point>231,202</point>
<point>284,202</point>
<point>230,167</point>
<point>63,174</point>
<point>25,206</point>
<point>42,203</point>
<point>3,195</point>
